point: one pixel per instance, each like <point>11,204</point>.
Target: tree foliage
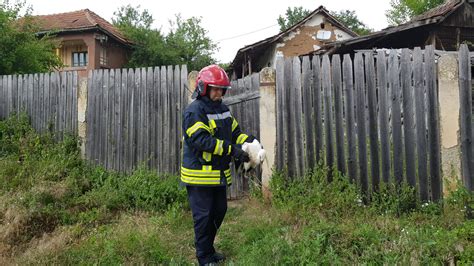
<point>292,16</point>
<point>189,43</point>
<point>21,50</point>
<point>402,11</point>
<point>349,19</point>
<point>186,43</point>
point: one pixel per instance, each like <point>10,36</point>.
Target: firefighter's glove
<point>239,154</point>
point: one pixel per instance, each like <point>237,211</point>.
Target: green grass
<point>57,209</point>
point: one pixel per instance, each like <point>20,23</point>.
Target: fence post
<point>268,125</point>
<point>81,113</point>
<point>449,110</point>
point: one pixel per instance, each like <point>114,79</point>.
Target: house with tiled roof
<point>87,41</point>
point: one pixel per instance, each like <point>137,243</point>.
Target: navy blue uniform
<point>209,133</point>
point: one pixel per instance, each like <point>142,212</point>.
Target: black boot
<point>218,257</point>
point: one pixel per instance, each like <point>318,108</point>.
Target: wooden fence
<point>243,103</point>
<point>49,99</point>
<point>134,117</point>
<point>373,118</point>
<point>466,117</point>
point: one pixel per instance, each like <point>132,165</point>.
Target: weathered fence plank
<point>124,99</point>
<point>328,116</point>
<point>465,95</point>
<point>288,126</point>
<point>361,116</point>
<point>140,121</point>
<point>421,141</point>
<point>177,114</point>
<point>397,140</point>
<point>383,115</point>
<point>408,116</point>
<point>75,96</point>
<point>297,117</point>
<point>54,96</point>
<point>433,122</point>
<point>35,104</point>
<point>40,103</point>
<point>308,113</point>
<point>47,100</point>
<point>350,120</point>
<point>150,112</point>
<point>62,102</point>
<point>111,121</point>
<point>338,104</point>
<point>280,95</point>
<point>255,106</point>
<point>318,111</point>
<point>118,113</point>
<point>172,120</point>
<point>373,126</point>
<point>104,117</point>
<point>69,103</point>
<point>130,117</point>
<point>165,120</point>
<point>159,119</point>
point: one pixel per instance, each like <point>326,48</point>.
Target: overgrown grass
<point>45,186</point>
<point>57,209</point>
<point>393,228</point>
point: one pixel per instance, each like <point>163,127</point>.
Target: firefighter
<point>211,137</point>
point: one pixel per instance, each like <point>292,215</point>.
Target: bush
<point>314,192</point>
<point>13,132</point>
<point>394,199</point>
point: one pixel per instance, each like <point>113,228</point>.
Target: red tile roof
<point>78,20</point>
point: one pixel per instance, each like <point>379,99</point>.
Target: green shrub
<point>394,199</point>
<point>314,192</point>
<point>13,131</point>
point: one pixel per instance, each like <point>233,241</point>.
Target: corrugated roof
<point>441,10</point>
<point>78,20</point>
<point>432,16</point>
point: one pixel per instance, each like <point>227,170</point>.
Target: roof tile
<point>81,19</point>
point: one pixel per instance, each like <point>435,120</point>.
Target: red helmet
<point>214,76</point>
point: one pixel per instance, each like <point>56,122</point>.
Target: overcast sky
<point>223,19</point>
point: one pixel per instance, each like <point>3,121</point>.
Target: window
<point>323,35</point>
<point>79,59</point>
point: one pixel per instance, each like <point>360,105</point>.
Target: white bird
<point>256,154</point>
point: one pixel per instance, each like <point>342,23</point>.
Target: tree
<point>21,50</point>
<point>189,44</point>
<point>346,17</point>
<point>149,44</point>
<point>402,11</point>
<point>292,16</point>
<point>350,20</point>
<point>186,43</point>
